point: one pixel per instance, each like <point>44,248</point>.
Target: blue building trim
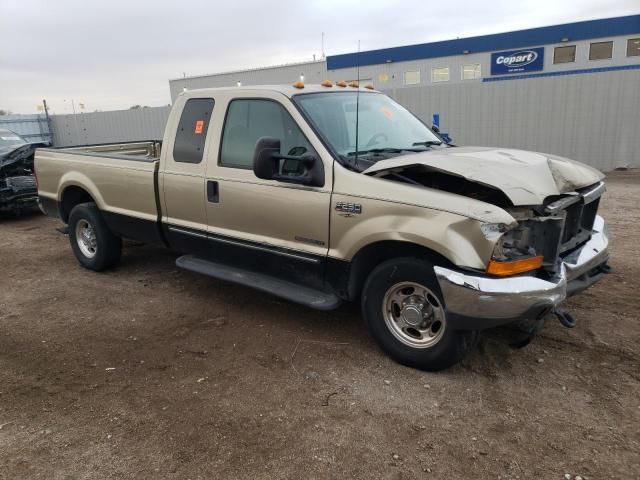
<point>608,27</point>
<point>562,72</point>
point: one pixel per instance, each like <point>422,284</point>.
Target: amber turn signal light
<point>513,267</point>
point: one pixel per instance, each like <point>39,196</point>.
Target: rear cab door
<point>182,173</point>
<point>270,226</point>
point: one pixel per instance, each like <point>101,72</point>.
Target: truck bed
<point>120,178</point>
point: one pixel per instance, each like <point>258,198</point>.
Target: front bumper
<point>18,193</point>
<point>476,303</point>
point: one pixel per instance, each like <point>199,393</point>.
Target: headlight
<point>513,252</point>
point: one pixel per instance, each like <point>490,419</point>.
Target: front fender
<point>455,237</point>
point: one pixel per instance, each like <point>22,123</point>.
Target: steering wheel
<point>375,139</point>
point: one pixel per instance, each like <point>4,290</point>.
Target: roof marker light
<point>327,83</point>
<point>341,83</point>
<point>299,84</point>
<point>369,86</point>
<point>354,84</point>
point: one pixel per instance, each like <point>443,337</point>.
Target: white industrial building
<point>571,90</point>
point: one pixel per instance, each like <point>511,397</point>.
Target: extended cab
<point>321,194</point>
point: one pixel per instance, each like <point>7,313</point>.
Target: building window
<point>440,74</point>
<point>192,130</point>
<point>412,78</point>
<point>633,47</point>
<point>601,50</point>
<point>247,121</point>
<point>564,54</point>
<point>471,72</point>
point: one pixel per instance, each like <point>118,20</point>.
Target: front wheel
<point>93,244</point>
<point>404,310</point>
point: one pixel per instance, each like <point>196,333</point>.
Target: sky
<point>113,54</point>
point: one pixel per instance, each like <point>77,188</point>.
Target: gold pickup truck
<point>331,193</point>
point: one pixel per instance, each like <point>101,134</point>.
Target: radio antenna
<point>357,99</point>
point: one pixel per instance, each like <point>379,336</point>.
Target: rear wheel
<point>404,310</point>
<point>93,244</point>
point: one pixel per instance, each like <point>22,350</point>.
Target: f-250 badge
<point>348,209</point>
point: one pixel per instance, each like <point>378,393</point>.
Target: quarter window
<point>247,121</point>
<point>471,72</point>
<point>192,130</point>
<point>600,50</point>
<point>440,74</point>
<point>633,47</point>
<point>565,54</point>
<point>412,78</point>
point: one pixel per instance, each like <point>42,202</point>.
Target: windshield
<point>10,140</point>
<point>384,126</point>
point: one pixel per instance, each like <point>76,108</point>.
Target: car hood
<point>526,178</point>
<point>18,160</point>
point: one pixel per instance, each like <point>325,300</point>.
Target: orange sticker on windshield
<point>199,127</point>
<point>387,113</point>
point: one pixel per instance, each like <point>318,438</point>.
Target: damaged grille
<point>26,181</point>
<point>579,210</point>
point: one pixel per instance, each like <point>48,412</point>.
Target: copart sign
<point>517,61</point>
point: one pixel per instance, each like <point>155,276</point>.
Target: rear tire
<point>93,244</point>
<point>403,307</point>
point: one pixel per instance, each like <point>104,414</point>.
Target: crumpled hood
<point>18,160</point>
<point>526,178</point>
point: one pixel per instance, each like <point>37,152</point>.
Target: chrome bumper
<point>482,302</point>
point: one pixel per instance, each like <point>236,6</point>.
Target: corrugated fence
<point>109,127</point>
<point>34,128</point>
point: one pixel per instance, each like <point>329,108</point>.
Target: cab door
<point>274,227</point>
<point>182,178</point>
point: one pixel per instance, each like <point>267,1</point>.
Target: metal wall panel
<point>109,127</point>
<point>314,72</point>
<point>34,128</point>
<point>592,118</point>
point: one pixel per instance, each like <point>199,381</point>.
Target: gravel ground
<point>152,372</point>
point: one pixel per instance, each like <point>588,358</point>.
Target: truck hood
<point>526,178</point>
<point>18,160</point>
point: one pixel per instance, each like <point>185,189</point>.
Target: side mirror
<point>435,128</point>
<point>270,164</point>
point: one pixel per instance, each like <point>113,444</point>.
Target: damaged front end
<point>18,188</point>
<point>554,248</point>
<point>557,233</point>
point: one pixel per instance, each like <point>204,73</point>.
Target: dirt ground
<point>148,371</point>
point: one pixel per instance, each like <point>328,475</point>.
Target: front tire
<point>403,307</point>
<point>93,244</point>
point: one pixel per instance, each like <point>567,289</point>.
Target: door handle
<point>212,191</point>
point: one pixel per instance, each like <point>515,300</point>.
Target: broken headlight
<point>533,237</point>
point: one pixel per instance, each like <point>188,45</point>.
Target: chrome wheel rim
<point>86,238</point>
<point>414,315</point>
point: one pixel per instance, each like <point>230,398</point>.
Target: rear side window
<point>247,121</point>
<point>192,130</point>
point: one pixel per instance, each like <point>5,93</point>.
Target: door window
<point>247,121</point>
<point>192,130</point>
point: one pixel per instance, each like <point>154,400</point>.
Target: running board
<point>280,288</point>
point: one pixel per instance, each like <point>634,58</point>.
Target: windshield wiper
<point>383,150</point>
<point>427,143</point>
